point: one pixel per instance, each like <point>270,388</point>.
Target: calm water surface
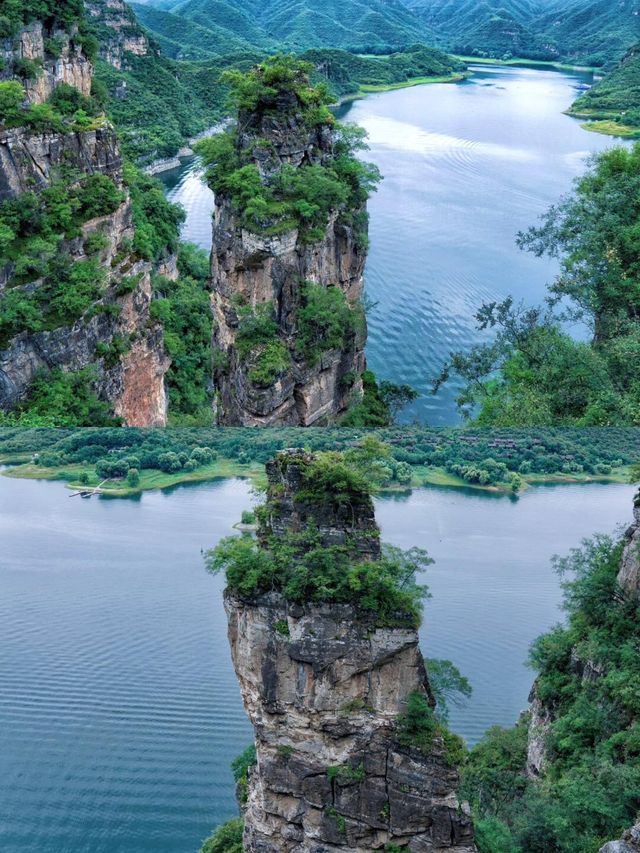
<point>465,168</point>
<point>119,708</point>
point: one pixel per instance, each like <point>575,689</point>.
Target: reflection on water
<point>465,168</point>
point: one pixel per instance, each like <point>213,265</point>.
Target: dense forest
<point>591,32</point>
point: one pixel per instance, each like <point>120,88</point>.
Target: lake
<point>465,167</point>
<point>119,708</point>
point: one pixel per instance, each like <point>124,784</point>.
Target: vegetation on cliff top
<point>533,372</point>
<point>588,791</point>
<point>16,13</point>
<point>306,570</point>
<point>288,197</point>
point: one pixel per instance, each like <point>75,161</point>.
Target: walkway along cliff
<point>289,249</point>
<point>75,296</point>
<point>349,753</point>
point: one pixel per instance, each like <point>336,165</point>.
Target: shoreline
<point>603,124</point>
<point>220,469</point>
<point>366,89</point>
<point>532,63</point>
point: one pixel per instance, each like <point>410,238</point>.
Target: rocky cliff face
<point>132,382</point>
<point>119,31</point>
<point>71,66</point>
<point>629,843</point>
<point>250,269</point>
<point>629,575</point>
<point>323,688</point>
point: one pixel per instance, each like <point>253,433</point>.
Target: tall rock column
<point>323,686</point>
<point>269,253</point>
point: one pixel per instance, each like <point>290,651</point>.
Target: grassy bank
<point>365,89</point>
<point>82,476</point>
<point>412,81</point>
<point>611,128</point>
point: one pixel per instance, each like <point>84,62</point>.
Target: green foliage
<point>282,627</point>
<point>533,372</point>
<point>226,839</point>
<point>345,72</point>
<point>540,452</point>
<point>370,410</point>
<point>418,727</point>
<point>268,363</point>
<point>291,197</point>
<point>256,327</point>
<point>588,792</point>
<point>448,686</point>
<point>66,110</point>
<point>587,32</point>
<point>263,86</point>
<point>258,344</point>
<point>346,774</point>
<point>59,398</point>
<point>617,96</point>
<point>304,570</point>
<point>325,321</point>
<point>12,96</point>
<point>240,768</point>
<point>157,221</point>
<point>51,12</point>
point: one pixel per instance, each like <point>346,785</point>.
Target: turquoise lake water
<point>119,709</point>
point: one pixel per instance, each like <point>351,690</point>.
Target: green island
<point>502,461</point>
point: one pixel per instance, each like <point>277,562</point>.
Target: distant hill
<point>184,38</point>
<point>614,103</point>
<point>591,31</point>
<point>364,25</point>
<point>585,31</point>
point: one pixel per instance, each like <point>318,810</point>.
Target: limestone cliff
<point>69,66</point>
<point>267,265</point>
<point>323,687</point>
<point>629,575</point>
<point>629,843</point>
<point>119,31</point>
<point>116,333</point>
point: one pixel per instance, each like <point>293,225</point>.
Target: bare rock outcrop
<point>629,843</point>
<point>629,575</point>
<point>69,65</point>
<point>323,687</point>
<point>120,31</point>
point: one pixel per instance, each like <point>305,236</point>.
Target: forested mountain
<point>586,31</point>
<point>366,25</point>
<point>596,32</point>
<point>181,38</point>
<point>614,103</point>
<point>591,31</point>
